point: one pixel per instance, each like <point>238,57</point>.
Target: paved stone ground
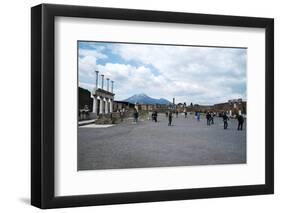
<point>148,144</point>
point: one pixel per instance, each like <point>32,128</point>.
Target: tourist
<point>152,116</point>
<point>121,114</point>
<point>212,118</point>
<point>208,117</point>
<point>177,113</point>
<point>170,115</point>
<point>225,119</point>
<point>136,115</point>
<point>185,114</point>
<point>198,116</point>
<point>240,119</point>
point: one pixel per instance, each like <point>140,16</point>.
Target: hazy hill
<point>145,99</point>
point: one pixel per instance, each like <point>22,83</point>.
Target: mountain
<point>145,99</point>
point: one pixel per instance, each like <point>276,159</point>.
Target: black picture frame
<point>43,110</point>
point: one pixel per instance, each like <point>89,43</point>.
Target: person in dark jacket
<point>212,118</point>
<point>198,116</point>
<point>154,116</point>
<point>136,116</point>
<point>170,116</point>
<point>240,119</point>
<point>208,117</point>
<point>225,120</point>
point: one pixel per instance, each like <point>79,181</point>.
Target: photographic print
<point>120,97</point>
<point>159,105</point>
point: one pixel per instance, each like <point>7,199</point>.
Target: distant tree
<point>191,104</point>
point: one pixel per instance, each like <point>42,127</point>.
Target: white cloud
<point>190,74</point>
<point>87,62</point>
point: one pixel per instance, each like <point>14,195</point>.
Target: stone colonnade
<point>105,104</point>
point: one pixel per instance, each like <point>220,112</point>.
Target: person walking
<point>208,117</point>
<point>136,116</point>
<point>155,116</point>
<point>240,119</point>
<point>170,116</point>
<point>198,116</point>
<point>177,113</point>
<point>121,114</point>
<point>225,120</point>
<point>212,118</point>
<point>185,114</point>
<point>152,116</point>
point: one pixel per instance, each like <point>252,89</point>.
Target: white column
<point>110,106</point>
<point>94,104</point>
<point>106,106</point>
<point>101,106</point>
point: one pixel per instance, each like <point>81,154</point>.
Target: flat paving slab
<point>148,144</point>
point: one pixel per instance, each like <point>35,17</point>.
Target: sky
<point>201,75</point>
